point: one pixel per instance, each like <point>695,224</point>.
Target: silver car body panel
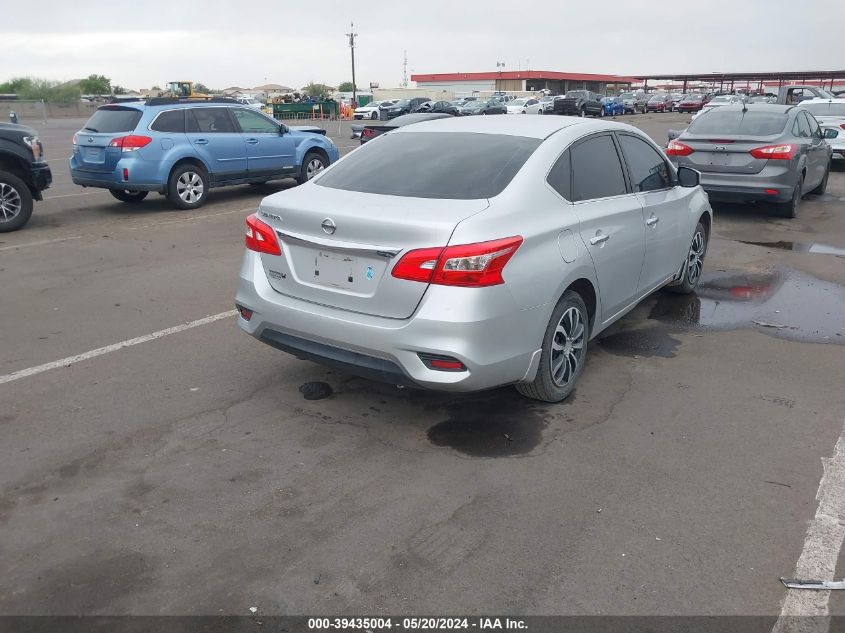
<point>496,331</point>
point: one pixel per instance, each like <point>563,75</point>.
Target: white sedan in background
<point>716,102</point>
<point>830,113</point>
<point>524,106</point>
<point>370,111</point>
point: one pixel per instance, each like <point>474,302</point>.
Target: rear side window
<point>208,120</point>
<point>722,121</point>
<point>172,121</point>
<point>469,165</point>
<point>112,119</point>
<point>647,167</point>
<point>596,170</point>
<point>560,176</point>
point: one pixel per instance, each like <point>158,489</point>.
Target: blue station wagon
<point>183,148</point>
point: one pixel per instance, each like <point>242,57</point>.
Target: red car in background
<point>659,102</point>
<point>693,103</point>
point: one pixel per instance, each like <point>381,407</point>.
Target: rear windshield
<point>449,165</point>
<point>111,119</point>
<point>825,109</point>
<point>751,122</point>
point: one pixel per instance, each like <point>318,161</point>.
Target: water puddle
<point>498,423</point>
<point>801,247</point>
<point>786,304</point>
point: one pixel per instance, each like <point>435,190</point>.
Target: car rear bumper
<point>482,327</point>
<point>105,181</point>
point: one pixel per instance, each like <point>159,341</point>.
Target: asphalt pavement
<point>182,471</point>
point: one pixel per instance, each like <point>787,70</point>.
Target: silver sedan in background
<point>494,263</point>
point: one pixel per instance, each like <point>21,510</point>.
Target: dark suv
<point>23,174</point>
<point>403,106</point>
<point>579,103</point>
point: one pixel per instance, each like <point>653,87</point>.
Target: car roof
<point>757,107</point>
<point>531,127</point>
<point>821,100</point>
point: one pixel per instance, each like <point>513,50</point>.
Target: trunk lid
<point>350,267</point>
<point>726,154</point>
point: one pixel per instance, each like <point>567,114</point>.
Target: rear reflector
<point>441,363</point>
<point>125,174</point>
<point>130,143</point>
<point>771,192</point>
<point>774,152</point>
<point>246,313</point>
<point>468,265</point>
<point>260,237</point>
<point>367,132</point>
<point>678,149</point>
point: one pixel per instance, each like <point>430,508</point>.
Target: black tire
<point>15,202</point>
<point>310,167</point>
<point>129,196</point>
<point>601,113</point>
<point>693,264</point>
<point>544,386</point>
<point>790,209</point>
<point>818,191</point>
<point>187,187</point>
<point>374,115</point>
<point>582,112</point>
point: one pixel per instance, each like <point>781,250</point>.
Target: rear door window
<point>803,126</point>
<point>211,120</point>
<point>648,169</point>
<point>172,121</point>
<point>596,170</point>
<point>112,119</point>
<point>814,126</point>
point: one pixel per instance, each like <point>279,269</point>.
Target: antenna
<point>405,71</point>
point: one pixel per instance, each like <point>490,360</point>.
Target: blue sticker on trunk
<point>369,272</point>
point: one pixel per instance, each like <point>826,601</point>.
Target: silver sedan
<point>494,264</point>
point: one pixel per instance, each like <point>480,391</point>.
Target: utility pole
<point>405,71</point>
<point>352,35</point>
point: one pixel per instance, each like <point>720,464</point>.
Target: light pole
<point>352,35</point>
<point>499,66</point>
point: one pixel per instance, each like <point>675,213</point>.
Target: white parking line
<point>70,360</point>
<point>41,243</point>
<point>822,545</point>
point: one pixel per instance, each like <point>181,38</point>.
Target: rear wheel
<point>564,351</point>
<point>790,209</point>
<point>582,113</point>
<point>15,202</point>
<point>823,184</point>
<point>694,263</point>
<point>128,195</point>
<point>188,187</point>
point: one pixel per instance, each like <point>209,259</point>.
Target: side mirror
<point>830,133</point>
<point>283,129</point>
<point>688,177</point>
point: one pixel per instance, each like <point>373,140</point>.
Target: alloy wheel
<point>567,347</point>
<point>10,202</point>
<point>695,259</point>
<point>190,187</point>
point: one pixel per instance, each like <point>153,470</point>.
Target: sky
<point>226,43</point>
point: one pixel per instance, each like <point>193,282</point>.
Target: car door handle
<point>652,220</point>
<point>252,141</point>
<point>599,238</point>
<point>201,141</point>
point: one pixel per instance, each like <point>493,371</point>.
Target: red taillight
<point>367,132</point>
<point>469,265</point>
<point>774,152</point>
<point>260,237</point>
<point>678,149</point>
<point>246,313</point>
<point>130,143</point>
<point>842,125</point>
